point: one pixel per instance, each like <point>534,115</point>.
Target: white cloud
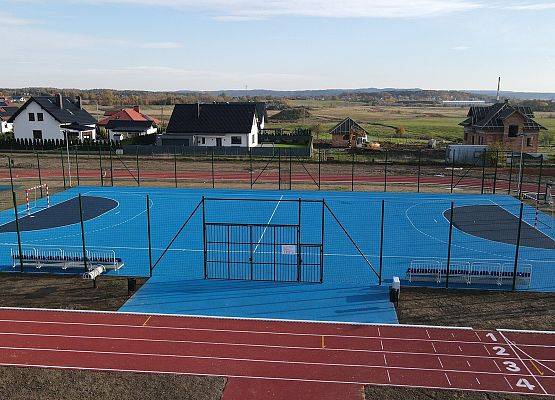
<point>237,10</point>
<point>11,20</point>
<point>532,6</point>
<point>460,48</point>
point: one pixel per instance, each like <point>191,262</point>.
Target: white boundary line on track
<point>270,346</point>
<point>526,331</point>
<point>253,377</point>
<point>185,316</point>
<point>121,353</point>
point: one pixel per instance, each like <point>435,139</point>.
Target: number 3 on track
<point>511,366</point>
<point>523,383</point>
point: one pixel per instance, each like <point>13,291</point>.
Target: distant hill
<point>515,95</point>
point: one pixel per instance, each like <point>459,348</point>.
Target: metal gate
<point>262,252</point>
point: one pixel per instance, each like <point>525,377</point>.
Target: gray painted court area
<point>495,223</point>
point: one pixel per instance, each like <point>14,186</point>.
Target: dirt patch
<point>37,383</point>
<point>72,293</point>
<point>393,393</point>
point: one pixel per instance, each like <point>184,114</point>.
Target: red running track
<point>327,360</point>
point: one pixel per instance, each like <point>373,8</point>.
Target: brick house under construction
<point>503,125</point>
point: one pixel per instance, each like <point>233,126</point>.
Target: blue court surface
<point>416,228</point>
<point>4,187</point>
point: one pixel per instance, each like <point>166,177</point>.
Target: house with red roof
<point>127,123</point>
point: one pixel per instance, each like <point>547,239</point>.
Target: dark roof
<point>216,118</point>
<point>345,126</point>
<point>75,126</point>
<point>69,113</point>
<point>492,117</point>
<point>129,126</point>
<point>7,112</point>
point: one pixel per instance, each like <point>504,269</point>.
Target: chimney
<point>198,109</point>
<point>79,102</point>
<point>59,100</point>
<point>137,108</point>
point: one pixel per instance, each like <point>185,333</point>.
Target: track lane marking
<point>148,319</point>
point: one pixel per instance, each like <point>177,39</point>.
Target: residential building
<point>126,123</point>
<point>47,118</point>
<point>341,133</point>
<point>215,125</point>
<point>511,128</point>
<point>5,114</point>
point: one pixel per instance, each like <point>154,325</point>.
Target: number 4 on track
<point>523,383</point>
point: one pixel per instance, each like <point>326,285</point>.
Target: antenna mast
<point>498,88</point>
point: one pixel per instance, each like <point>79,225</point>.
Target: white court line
<point>268,346</point>
<point>268,223</point>
<point>124,353</point>
<point>247,377</point>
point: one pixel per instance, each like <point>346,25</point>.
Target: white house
<point>215,125</point>
<point>46,118</point>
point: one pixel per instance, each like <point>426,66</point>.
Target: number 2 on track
<point>500,351</point>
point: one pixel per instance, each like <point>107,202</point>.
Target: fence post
<point>63,167</point>
<point>279,168</point>
<point>204,248</point>
<point>323,240</point>
<point>213,182</point>
<point>521,175</point>
<point>495,172</point>
<point>138,168</point>
<point>484,155</point>
<point>381,240</point>
<point>250,169</point>
<point>353,173</point>
<point>100,163</point>
<point>18,232</point>
<point>299,250</point>
<point>517,245</point>
<point>111,166</point>
<point>319,169</point>
<point>11,173</point>
<point>453,171</point>
<point>175,166</point>
<point>540,179</point>
<point>82,232</point>
<point>77,166</point>
<point>511,174</point>
<point>385,173</point>
<point>419,166</point>
<point>451,215</point>
<point>290,169</point>
<point>148,233</point>
<point>40,175</point>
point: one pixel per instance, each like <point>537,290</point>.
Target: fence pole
<point>483,171</point>
<point>521,175</point>
<point>82,232</point>
<point>453,171</point>
<point>138,168</point>
<point>385,173</point>
<point>77,166</point>
<point>517,245</point>
<point>319,169</point>
<point>419,166</point>
<point>353,173</point>
<point>204,248</point>
<point>213,182</point>
<point>511,174</point>
<point>63,167</point>
<point>381,240</point>
<point>290,169</point>
<point>495,172</point>
<point>148,233</point>
<point>250,169</point>
<point>299,250</point>
<point>323,240</point>
<point>18,232</point>
<point>111,166</point>
<point>40,175</point>
<point>100,162</point>
<point>279,168</point>
<point>451,214</point>
<point>540,179</point>
<point>11,173</point>
<point>175,166</point>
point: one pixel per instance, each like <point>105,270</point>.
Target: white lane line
<point>477,380</point>
<point>523,363</point>
<point>267,224</point>
<point>434,347</point>
<point>388,376</point>
<point>508,383</point>
<point>428,334</point>
<point>448,381</point>
<point>385,360</point>
<point>497,365</point>
<point>269,346</point>
<point>440,363</point>
<point>154,355</point>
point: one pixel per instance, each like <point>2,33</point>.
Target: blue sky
<point>278,44</point>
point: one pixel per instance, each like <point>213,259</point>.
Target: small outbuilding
<point>341,134</point>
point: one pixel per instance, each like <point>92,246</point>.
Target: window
<point>472,139</point>
<point>529,142</point>
<point>31,116</point>
<point>40,117</point>
<point>236,140</point>
<point>513,130</point>
<point>203,140</point>
<point>37,135</point>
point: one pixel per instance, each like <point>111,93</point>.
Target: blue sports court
<point>191,238</point>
